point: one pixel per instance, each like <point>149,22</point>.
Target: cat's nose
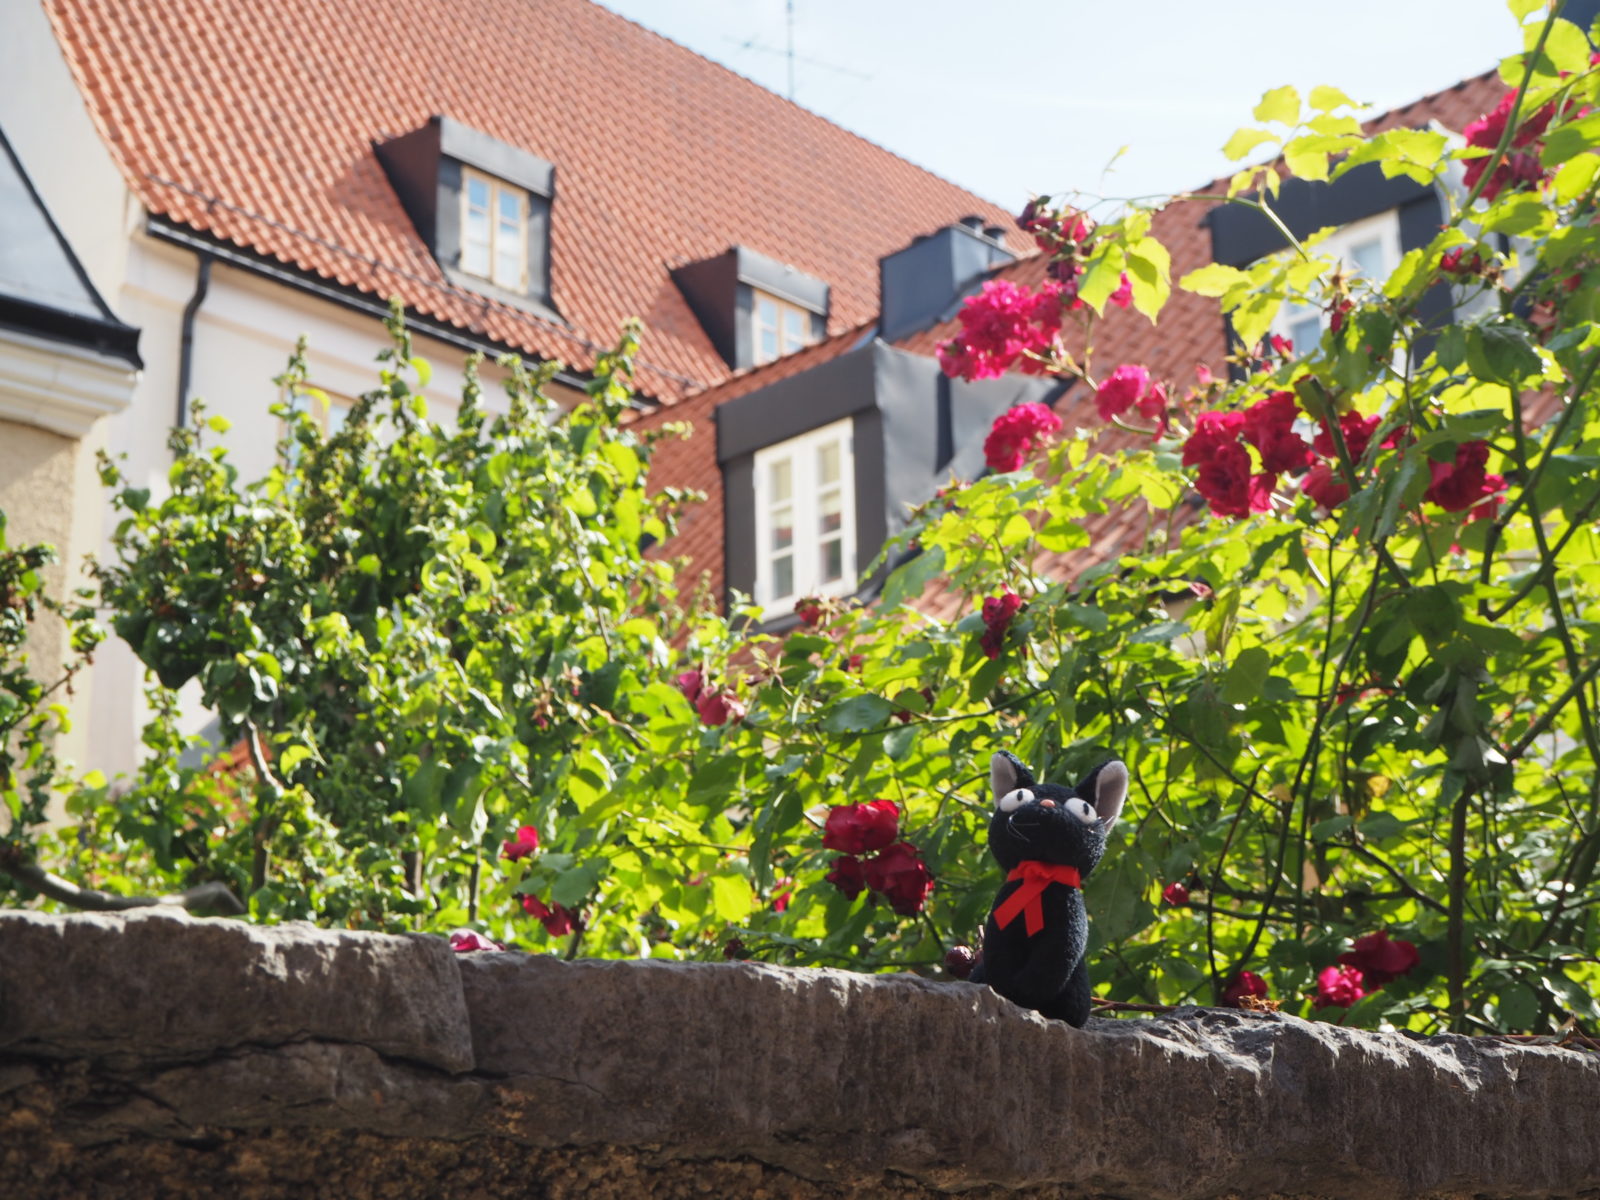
<point>1047,804</point>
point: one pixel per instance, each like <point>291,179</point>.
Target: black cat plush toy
<point>1047,838</point>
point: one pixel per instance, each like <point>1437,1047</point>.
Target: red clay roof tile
<point>255,123</point>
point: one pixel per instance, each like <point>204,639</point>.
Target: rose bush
<point>1354,682</point>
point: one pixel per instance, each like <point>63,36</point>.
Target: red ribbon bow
<point>1035,876</point>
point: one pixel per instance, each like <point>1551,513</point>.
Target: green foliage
<point>1384,717</point>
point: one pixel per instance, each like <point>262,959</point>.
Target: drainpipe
<point>202,283</point>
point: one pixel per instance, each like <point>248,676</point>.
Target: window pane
<point>508,264</point>
<point>833,561</point>
<point>796,329</point>
<point>766,345</point>
<point>828,464</point>
<point>783,576</point>
<point>766,313</point>
<point>337,415</point>
<point>510,207</point>
<point>477,194</point>
<point>1368,258</point>
<point>830,514</point>
<point>778,481</point>
<point>1305,333</point>
<point>475,235</point>
<point>783,529</point>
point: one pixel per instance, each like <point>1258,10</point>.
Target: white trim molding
<point>60,387</point>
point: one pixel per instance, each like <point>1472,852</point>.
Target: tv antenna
<point>788,52</point>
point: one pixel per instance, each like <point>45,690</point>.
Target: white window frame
<point>805,501</point>
<point>1384,228</point>
<point>496,188</point>
<point>780,310</point>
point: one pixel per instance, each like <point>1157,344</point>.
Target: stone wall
<point>155,1054</point>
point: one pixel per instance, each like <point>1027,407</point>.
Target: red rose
<point>1357,431</point>
<point>464,941</point>
<point>1016,433</point>
<point>1323,485</point>
<point>718,708</point>
<point>1121,390</point>
<point>1245,983</point>
<point>1380,960</point>
<point>558,920</point>
<point>1212,431</point>
<point>1463,483</point>
<point>1515,169</point>
<point>519,847</point>
<point>1227,484</point>
<point>690,684</point>
<point>997,614</point>
<point>1455,262</point>
<point>784,889</point>
<point>1123,296</point>
<point>847,875</point>
<point>899,875</point>
<point>1004,325</point>
<point>809,610</point>
<point>1175,893</point>
<point>1282,346</point>
<point>1339,986</point>
<point>1269,427</point>
<point>861,828</point>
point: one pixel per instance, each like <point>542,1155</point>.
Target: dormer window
<point>494,230</point>
<point>754,309</point>
<point>482,205</point>
<point>780,328</point>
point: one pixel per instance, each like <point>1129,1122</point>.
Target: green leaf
<point>1570,140</point>
<point>1247,675</point>
<point>572,886</point>
<point>1518,1008</point>
<point>1324,98</point>
<point>1502,354</point>
<point>1244,141</point>
<point>909,580</point>
<point>1281,104</point>
<point>856,714</point>
<point>1150,271</point>
<point>1214,279</point>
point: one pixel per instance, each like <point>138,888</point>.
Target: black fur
<point>1047,972</point>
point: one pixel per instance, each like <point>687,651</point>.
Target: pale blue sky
<point>1008,97</point>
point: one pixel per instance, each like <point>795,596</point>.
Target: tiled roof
<point>255,122</point>
<point>1190,332</point>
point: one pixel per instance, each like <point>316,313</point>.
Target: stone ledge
<point>226,1056</point>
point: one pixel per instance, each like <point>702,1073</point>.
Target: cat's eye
<point>1083,810</point>
<point>1015,799</point>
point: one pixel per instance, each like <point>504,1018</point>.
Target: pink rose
<point>1269,427</point>
<point>1123,296</point>
<point>690,683</point>
<point>1016,433</point>
<point>519,847</point>
<point>465,941</point>
<point>998,612</point>
<point>1121,390</point>
<point>1323,485</point>
<point>1339,986</point>
<point>1005,325</point>
<point>719,708</point>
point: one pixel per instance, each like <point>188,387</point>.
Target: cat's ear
<point>1006,774</point>
<point>1106,787</point>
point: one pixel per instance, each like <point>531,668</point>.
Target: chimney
<point>919,284</point>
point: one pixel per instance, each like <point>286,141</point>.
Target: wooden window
<point>494,230</point>
<point>780,328</point>
<point>805,517</point>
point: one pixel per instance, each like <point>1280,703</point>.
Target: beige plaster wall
<point>37,472</point>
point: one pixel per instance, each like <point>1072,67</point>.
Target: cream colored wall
<point>37,475</point>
